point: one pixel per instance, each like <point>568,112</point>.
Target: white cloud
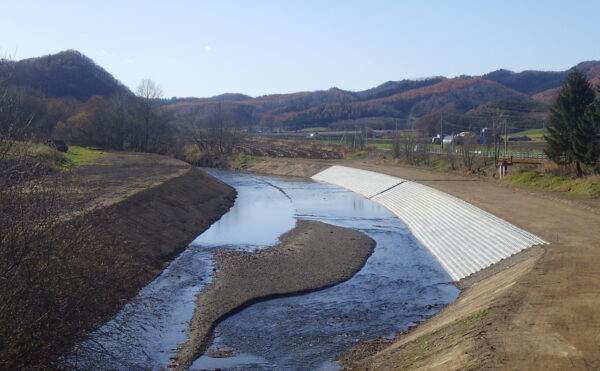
<point>129,61</point>
<point>208,48</point>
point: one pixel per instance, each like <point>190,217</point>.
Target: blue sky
<point>204,48</point>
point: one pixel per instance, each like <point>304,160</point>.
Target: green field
<point>313,129</point>
<point>534,134</point>
<point>78,156</point>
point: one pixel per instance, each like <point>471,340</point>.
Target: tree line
<point>121,121</point>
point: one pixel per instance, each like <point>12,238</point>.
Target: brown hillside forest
<point>54,291</point>
<point>69,97</point>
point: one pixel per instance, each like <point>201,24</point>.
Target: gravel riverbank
<point>312,256</point>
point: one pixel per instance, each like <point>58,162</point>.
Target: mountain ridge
<point>72,74</point>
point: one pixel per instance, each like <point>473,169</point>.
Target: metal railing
<point>520,155</point>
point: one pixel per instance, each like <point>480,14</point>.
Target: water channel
<point>401,283</point>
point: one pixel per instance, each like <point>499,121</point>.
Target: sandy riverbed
<point>312,256</point>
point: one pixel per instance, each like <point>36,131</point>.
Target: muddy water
<point>401,283</point>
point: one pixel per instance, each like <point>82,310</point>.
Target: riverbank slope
<point>538,314</point>
<point>148,208</point>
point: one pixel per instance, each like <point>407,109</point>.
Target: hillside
<point>592,71</point>
<point>68,74</point>
<point>469,100</point>
<point>401,100</point>
<point>520,97</point>
<point>528,82</point>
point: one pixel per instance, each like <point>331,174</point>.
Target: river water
<point>400,284</point>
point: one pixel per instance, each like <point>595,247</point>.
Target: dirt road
<point>540,314</point>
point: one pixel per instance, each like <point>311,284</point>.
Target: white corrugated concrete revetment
<point>363,182</point>
<point>462,237</point>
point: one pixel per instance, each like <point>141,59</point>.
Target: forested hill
<point>522,96</point>
<point>469,100</point>
<point>68,74</point>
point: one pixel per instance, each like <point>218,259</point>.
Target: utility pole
<point>442,130</point>
<point>505,137</point>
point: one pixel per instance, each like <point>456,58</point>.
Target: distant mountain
<point>520,96</point>
<point>462,93</point>
<point>394,87</point>
<point>231,96</point>
<point>65,74</point>
<point>323,108</point>
<point>528,82</point>
<point>592,71</point>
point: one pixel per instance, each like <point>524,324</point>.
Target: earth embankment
<point>538,314</point>
<point>312,256</point>
<point>154,204</point>
<point>150,207</point>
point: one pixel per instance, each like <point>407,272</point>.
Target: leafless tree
<point>467,151</point>
<point>59,278</point>
<point>148,92</point>
<point>215,134</point>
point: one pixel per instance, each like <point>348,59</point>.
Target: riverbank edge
<point>153,223</point>
<point>479,292</point>
<point>312,256</point>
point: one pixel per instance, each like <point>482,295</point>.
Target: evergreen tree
<point>587,142</point>
<point>571,131</point>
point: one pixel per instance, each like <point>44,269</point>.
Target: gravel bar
<point>312,256</point>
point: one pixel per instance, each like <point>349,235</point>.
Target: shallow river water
<point>401,283</point>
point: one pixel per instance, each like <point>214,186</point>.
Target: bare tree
<point>467,151</point>
<point>216,134</point>
<point>58,278</point>
<point>148,92</point>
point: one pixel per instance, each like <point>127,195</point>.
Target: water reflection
<point>260,214</point>
<point>400,283</point>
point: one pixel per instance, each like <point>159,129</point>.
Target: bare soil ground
<point>311,256</point>
<point>539,314</point>
<point>290,149</point>
<point>157,203</point>
<point>150,207</point>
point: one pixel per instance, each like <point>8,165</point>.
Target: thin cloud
<point>208,48</point>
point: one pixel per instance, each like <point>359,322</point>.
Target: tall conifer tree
<point>587,141</point>
<point>570,131</point>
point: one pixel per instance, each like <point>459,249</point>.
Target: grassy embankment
<point>50,159</point>
<point>78,156</point>
<point>588,187</point>
<point>240,161</point>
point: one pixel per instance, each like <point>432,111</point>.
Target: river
<point>400,284</point>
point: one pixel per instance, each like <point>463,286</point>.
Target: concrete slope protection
<point>462,237</point>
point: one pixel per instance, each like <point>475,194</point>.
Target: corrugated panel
<point>363,182</point>
<point>462,237</point>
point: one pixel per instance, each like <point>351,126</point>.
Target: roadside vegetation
<point>588,187</point>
